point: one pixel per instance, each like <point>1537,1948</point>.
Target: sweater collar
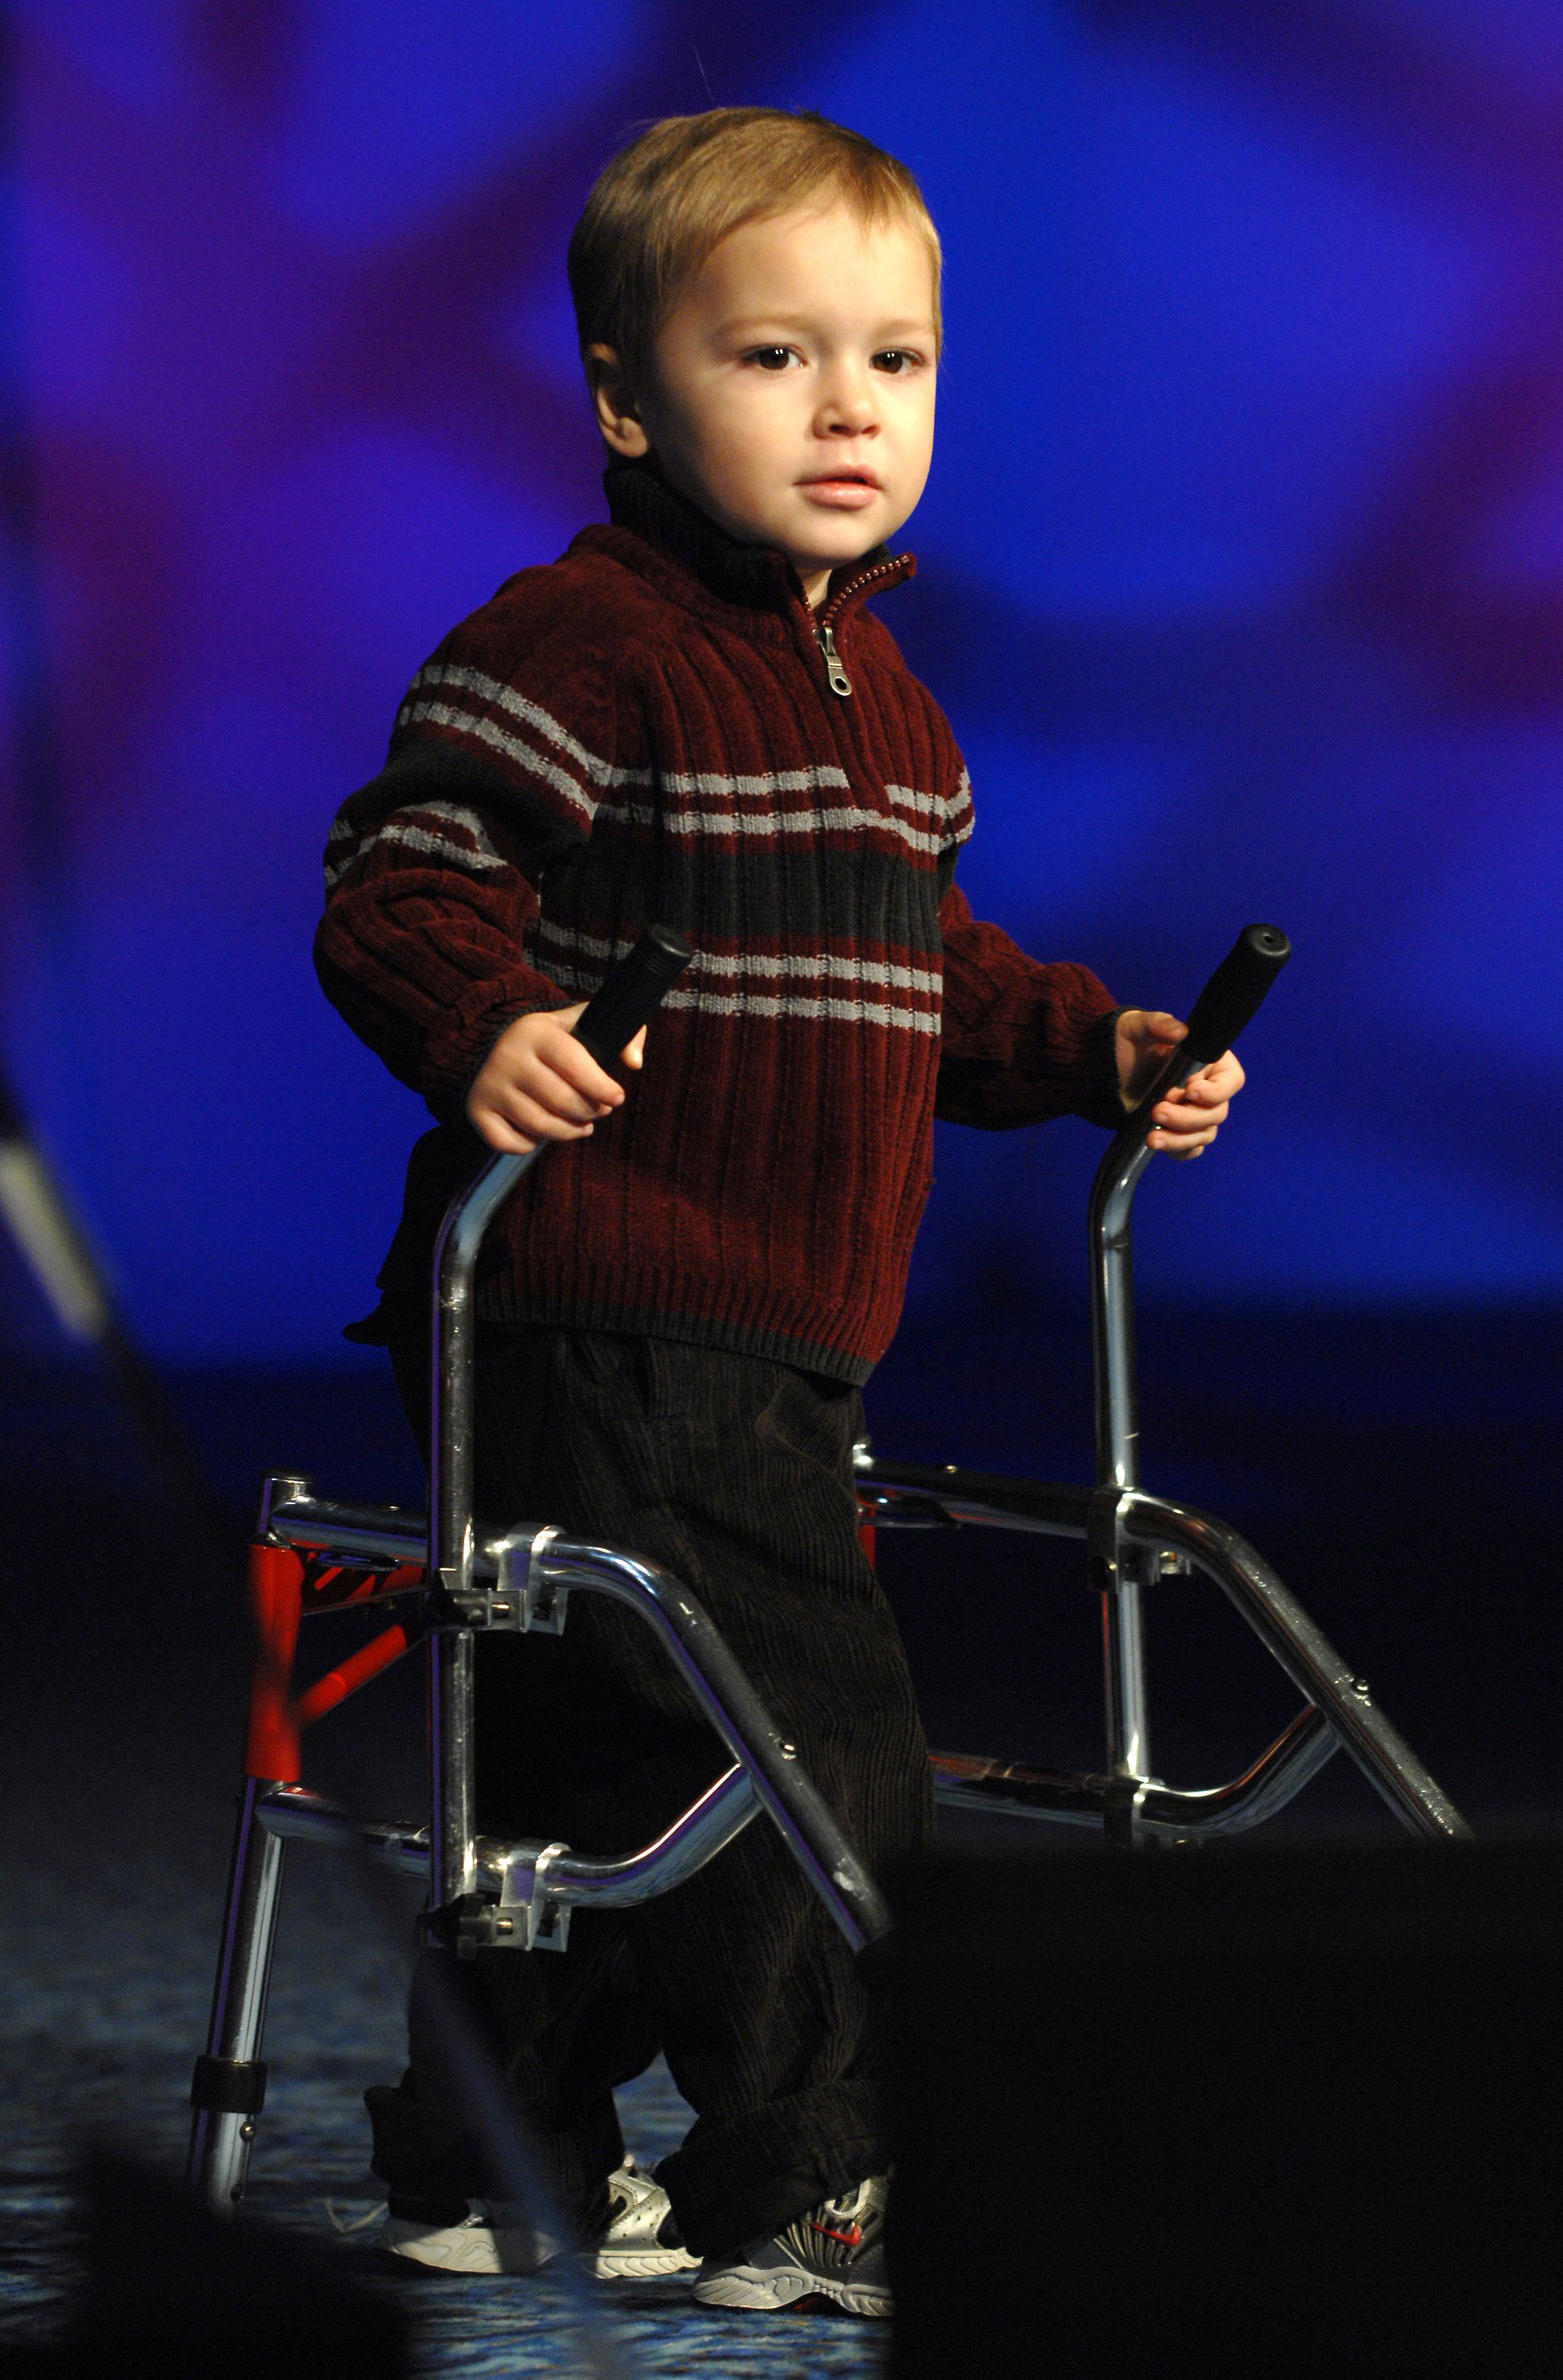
<point>757,576</point>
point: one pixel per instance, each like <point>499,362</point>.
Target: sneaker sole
<point>607,2264</point>
<point>769,2292</point>
<point>640,2264</point>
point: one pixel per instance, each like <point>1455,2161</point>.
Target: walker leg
<point>1115,1567</point>
<point>229,2084</point>
<point>453,1825</point>
<point>1127,1731</point>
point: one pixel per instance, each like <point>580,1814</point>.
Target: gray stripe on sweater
<point>450,676</point>
<point>765,965</point>
<point>466,847</point>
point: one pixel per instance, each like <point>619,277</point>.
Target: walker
<point>448,1577</point>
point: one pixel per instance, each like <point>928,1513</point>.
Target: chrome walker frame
<point>456,1579</point>
<point>1132,1540</point>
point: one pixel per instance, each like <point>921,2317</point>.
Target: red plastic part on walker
<point>276,1578</point>
<point>349,1675</point>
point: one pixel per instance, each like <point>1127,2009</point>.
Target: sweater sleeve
<point>1022,1039</point>
<point>432,868</point>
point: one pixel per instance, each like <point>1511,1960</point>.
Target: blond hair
<point>659,208</point>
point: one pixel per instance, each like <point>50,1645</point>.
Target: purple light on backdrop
<point>1239,576</point>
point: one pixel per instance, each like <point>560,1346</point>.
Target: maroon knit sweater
<point>647,730</point>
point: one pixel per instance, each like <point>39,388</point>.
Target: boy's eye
<point>769,358</point>
<point>896,360</point>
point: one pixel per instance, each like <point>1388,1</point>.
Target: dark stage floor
<point>1396,1469</point>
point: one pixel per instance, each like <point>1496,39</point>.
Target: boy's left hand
<point>1188,1119</point>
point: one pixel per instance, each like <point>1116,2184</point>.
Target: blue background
<point>1241,578</point>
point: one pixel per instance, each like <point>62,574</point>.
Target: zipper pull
<point>835,667</point>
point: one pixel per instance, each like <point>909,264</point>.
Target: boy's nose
<point>847,411</point>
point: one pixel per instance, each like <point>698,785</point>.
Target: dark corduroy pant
<point>735,1473</point>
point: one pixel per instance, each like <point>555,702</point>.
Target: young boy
<point>691,717</point>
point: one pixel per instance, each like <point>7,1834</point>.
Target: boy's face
<point>792,395</point>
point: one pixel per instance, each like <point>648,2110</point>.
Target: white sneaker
<point>640,2237</point>
<point>469,2246</point>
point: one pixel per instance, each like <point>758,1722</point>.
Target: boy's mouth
<point>847,485</point>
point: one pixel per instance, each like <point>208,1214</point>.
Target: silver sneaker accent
<point>631,2248</point>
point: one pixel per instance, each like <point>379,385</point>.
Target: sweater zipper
<point>825,634</point>
<point>835,668</point>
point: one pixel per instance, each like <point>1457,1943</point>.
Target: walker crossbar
<point>546,1878</point>
<point>1080,1798</point>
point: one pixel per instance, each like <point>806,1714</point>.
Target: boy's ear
<point>613,403</point>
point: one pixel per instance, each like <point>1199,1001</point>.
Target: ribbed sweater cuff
<point>1101,1098</point>
<point>457,1046</point>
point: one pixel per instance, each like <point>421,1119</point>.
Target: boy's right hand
<point>539,1082</point>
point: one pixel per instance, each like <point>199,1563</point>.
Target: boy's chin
<point>809,564</point>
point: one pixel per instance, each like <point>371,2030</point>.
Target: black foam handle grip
<point>631,992</point>
<point>1228,1002</point>
<point>1232,997</point>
